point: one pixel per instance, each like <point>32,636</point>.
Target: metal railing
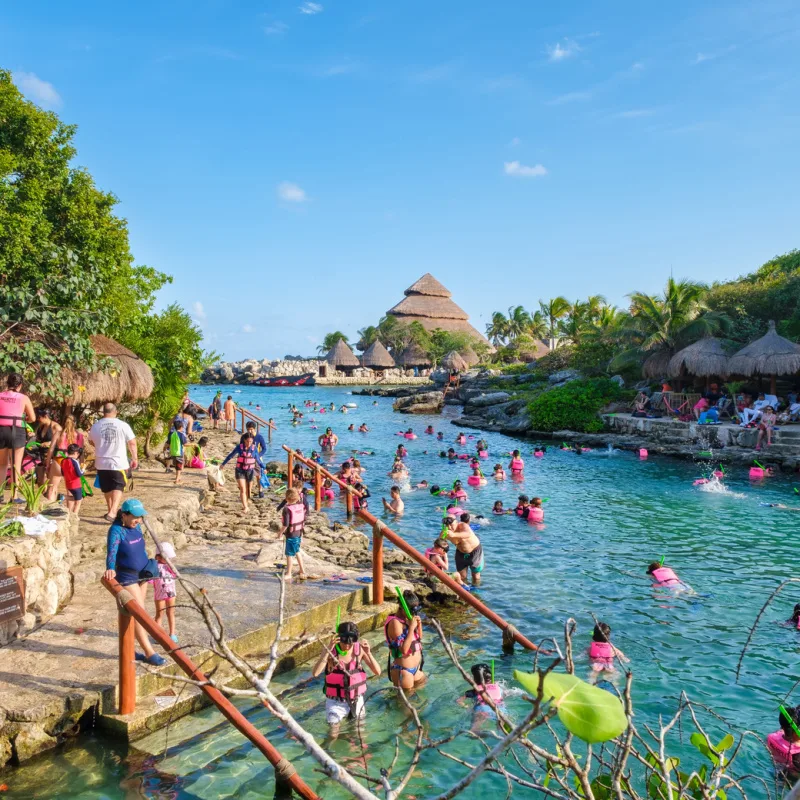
<point>249,415</point>
<point>131,612</point>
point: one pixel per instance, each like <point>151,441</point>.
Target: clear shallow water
<point>607,516</point>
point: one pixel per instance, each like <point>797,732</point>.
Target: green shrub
<point>574,406</point>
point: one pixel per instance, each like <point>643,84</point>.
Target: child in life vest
<point>482,675</point>
<point>516,465</point>
<point>72,474</point>
<point>164,589</point>
<point>438,555</point>
<point>784,744</point>
<point>175,442</point>
<point>363,501</point>
<point>294,520</point>
<point>498,509</point>
<point>343,662</point>
<point>601,652</point>
<point>663,576</point>
<point>499,473</point>
<point>246,459</point>
<point>535,510</point>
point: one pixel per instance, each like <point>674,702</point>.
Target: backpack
<point>175,444</point>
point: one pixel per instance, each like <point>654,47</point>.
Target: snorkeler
<point>601,652</point>
<point>784,744</point>
<point>403,632</point>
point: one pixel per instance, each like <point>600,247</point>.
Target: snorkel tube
<point>338,617</point>
<point>403,603</point>
<point>789,719</point>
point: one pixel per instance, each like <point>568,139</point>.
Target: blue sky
<point>296,165</point>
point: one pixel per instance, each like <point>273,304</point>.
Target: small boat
<point>286,380</point>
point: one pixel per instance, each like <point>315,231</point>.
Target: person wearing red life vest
<point>343,662</point>
<point>73,478</point>
<point>15,410</point>
<point>784,744</point>
<point>294,520</point>
<point>246,459</point>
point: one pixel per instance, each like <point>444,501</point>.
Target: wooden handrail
<point>134,611</point>
<point>380,530</point>
<point>270,426</point>
<point>319,469</point>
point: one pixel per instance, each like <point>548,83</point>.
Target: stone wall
<point>46,565</point>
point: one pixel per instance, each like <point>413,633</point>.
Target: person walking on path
<point>113,440</point>
<point>15,410</point>
<point>247,458</point>
<point>128,564</point>
<point>215,409</point>
<point>230,414</point>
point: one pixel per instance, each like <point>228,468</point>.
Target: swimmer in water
<point>664,577</point>
<point>396,505</point>
<point>429,429</point>
<point>498,508</point>
<point>794,620</point>
<point>422,485</point>
<point>362,428</point>
<point>440,436</point>
<point>784,744</point>
<point>481,710</point>
<point>451,454</point>
<point>499,473</point>
<point>601,652</point>
<point>351,427</point>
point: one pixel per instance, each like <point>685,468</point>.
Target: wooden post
<point>269,431</point>
<point>349,502</point>
<point>127,663</point>
<point>773,384</point>
<point>377,567</point>
<point>290,464</point>
<point>317,488</point>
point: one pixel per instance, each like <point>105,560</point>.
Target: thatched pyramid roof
<point>376,355</point>
<point>455,361</point>
<point>429,303</point>
<point>340,355</point>
<point>705,358</point>
<point>470,356</point>
<point>769,355</point>
<point>656,365</point>
<point>129,380</point>
<point>414,356</point>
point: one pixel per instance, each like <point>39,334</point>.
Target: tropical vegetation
<point>67,271</point>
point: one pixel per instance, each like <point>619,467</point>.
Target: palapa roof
<point>656,365</point>
<point>769,355</point>
<point>705,358</point>
<point>470,356</point>
<point>532,350</point>
<point>455,361</point>
<point>340,355</point>
<point>414,356</point>
<point>429,303</point>
<point>130,378</point>
<point>376,355</point>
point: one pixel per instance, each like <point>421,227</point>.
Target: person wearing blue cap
<point>128,563</point>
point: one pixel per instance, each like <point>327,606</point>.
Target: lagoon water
<point>608,515</point>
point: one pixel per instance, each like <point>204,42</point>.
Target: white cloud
<point>276,28</point>
<point>515,142</point>
<point>34,88</point>
<point>563,50</point>
<point>701,57</point>
<point>248,329</point>
<point>198,311</point>
<point>518,170</point>
<point>569,97</point>
<point>635,113</point>
<point>310,8</point>
<point>291,193</point>
<point>345,68</point>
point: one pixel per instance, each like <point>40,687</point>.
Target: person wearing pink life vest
<point>602,653</point>
<point>516,465</point>
<point>15,410</point>
<point>486,690</point>
<point>784,744</point>
<point>294,520</point>
<point>246,459</point>
<point>663,576</point>
<point>343,662</point>
<point>535,510</point>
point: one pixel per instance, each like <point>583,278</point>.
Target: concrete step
<point>300,642</point>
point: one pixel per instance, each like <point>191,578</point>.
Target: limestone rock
<point>564,376</point>
<point>491,399</point>
<point>32,740</point>
<point>47,604</point>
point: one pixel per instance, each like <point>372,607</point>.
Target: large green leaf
<point>592,714</point>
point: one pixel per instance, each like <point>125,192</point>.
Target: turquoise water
<point>607,516</point>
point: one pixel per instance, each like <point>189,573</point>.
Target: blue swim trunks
<point>292,545</point>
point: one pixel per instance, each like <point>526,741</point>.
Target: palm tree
<point>366,337</point>
<point>497,329</point>
<point>393,334</point>
<point>330,340</point>
<point>537,329</point>
<point>519,321</point>
<point>553,310</point>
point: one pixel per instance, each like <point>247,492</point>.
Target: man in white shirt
<point>749,415</point>
<point>113,439</point>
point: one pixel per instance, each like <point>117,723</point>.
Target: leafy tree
<point>366,337</point>
<point>497,329</point>
<point>574,406</point>
<point>552,311</point>
<point>442,342</point>
<point>66,270</point>
<point>329,341</point>
<point>393,333</point>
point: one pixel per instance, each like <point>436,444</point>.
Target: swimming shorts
<point>76,494</point>
<point>292,547</point>
<point>473,560</point>
<point>244,474</point>
<point>337,711</point>
<point>12,437</point>
<point>111,480</point>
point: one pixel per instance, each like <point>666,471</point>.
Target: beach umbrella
<point>705,358</point>
<point>455,362</point>
<point>376,356</point>
<point>340,355</point>
<point>771,355</point>
<point>414,356</point>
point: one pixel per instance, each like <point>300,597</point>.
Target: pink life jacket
<point>246,459</point>
<point>535,514</point>
<point>483,453</point>
<point>460,495</point>
<point>491,690</point>
<point>520,510</point>
<point>346,681</point>
<point>666,576</point>
<point>297,519</point>
<point>12,407</point>
<point>431,551</point>
<point>517,465</point>
<point>403,452</point>
<point>461,440</point>
<point>454,511</point>
<point>328,494</point>
<point>782,750</point>
<point>601,651</point>
<point>410,435</point>
<point>326,443</point>
<point>395,645</point>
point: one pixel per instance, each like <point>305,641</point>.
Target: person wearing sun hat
<point>127,563</point>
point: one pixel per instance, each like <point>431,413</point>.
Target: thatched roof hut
<point>129,380</point>
<point>705,358</point>
<point>470,356</point>
<point>414,356</point>
<point>531,349</point>
<point>455,362</point>
<point>377,356</point>
<point>340,355</point>
<point>429,303</point>
<point>656,365</point>
<point>770,355</point>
